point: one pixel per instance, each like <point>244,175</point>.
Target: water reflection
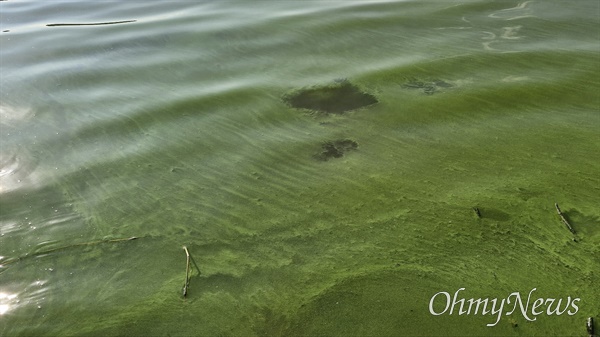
<point>9,167</point>
<point>7,227</point>
<point>15,163</point>
<point>28,296</point>
<point>7,300</point>
<point>9,115</point>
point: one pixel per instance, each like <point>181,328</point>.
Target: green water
<point>175,129</point>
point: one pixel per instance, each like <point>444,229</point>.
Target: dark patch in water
<point>337,98</point>
<point>336,149</point>
<point>494,214</point>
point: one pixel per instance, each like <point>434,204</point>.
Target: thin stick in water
<point>45,252</point>
<point>88,24</point>
<point>562,217</point>
<point>187,271</point>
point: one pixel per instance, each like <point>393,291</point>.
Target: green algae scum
<point>330,168</point>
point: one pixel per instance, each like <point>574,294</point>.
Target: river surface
<point>172,123</point>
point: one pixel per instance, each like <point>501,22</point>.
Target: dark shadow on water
<point>195,264</point>
<point>337,98</point>
<point>494,214</point>
<point>214,283</point>
<point>580,221</point>
<point>335,149</point>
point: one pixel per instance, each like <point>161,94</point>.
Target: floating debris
<point>428,87</point>
<point>336,149</point>
<point>340,97</point>
<point>88,24</point>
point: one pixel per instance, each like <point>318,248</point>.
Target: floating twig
<point>88,24</point>
<point>562,217</point>
<point>187,271</point>
<point>477,212</point>
<point>590,326</point>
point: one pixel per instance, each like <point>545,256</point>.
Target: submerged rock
<point>336,149</point>
<point>337,98</point>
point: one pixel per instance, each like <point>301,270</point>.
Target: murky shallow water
<point>174,129</point>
